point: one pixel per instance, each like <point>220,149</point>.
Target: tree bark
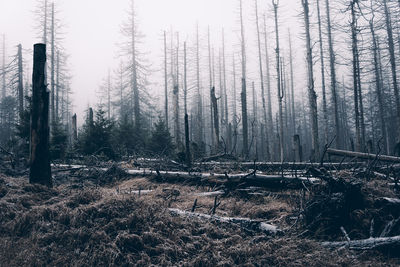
<point>20,82</point>
<point>165,82</point>
<point>243,94</point>
<point>265,135</point>
<point>333,77</point>
<point>363,155</point>
<point>280,93</point>
<point>321,52</point>
<point>312,97</point>
<point>40,170</point>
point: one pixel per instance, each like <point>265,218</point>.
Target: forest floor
<point>94,218</point>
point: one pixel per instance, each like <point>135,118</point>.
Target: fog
<point>92,34</point>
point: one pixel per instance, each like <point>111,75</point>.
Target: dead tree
<point>211,86</point>
<point>243,95</point>
<point>74,129</point>
<point>378,81</point>
<point>332,63</point>
<point>312,97</point>
<point>275,3</point>
<point>355,73</point>
<point>214,104</point>
<point>187,141</point>
<point>270,124</point>
<point>389,31</point>
<point>52,66</point>
<point>268,156</point>
<point>176,97</point>
<point>321,52</point>
<point>40,170</point>
<point>199,131</point>
<point>165,81</point>
<point>292,84</point>
<point>20,82</point>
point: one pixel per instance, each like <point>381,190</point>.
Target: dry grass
<point>89,226</point>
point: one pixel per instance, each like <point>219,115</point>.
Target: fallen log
<point>360,155</point>
<point>248,224</point>
<point>365,244</point>
<point>275,181</point>
<point>276,166</point>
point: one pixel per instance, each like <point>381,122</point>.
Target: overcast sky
<point>93,32</point>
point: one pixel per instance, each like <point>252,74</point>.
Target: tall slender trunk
<point>360,98</point>
<point>243,95</point>
<point>226,116</point>
<point>280,93</point>
<point>176,97</point>
<point>57,82</point>
<point>355,74</point>
<point>333,77</point>
<point>378,83</point>
<point>165,82</point>
<point>321,51</point>
<point>20,82</point>
<point>312,97</point>
<point>135,86</point>
<point>109,95</point>
<point>199,132</point>
<point>389,31</point>
<point>235,118</point>
<point>185,89</point>
<point>292,84</point>
<point>265,120</point>
<point>211,86</point>
<point>52,66</point>
<point>270,124</point>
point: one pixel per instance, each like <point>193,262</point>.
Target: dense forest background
<point>271,90</point>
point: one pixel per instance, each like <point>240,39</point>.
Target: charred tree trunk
<point>211,86</point>
<point>40,170</point>
<point>74,129</point>
<point>187,139</point>
<point>52,66</point>
<point>57,83</point>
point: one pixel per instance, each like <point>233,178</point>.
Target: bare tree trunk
<point>393,64</point>
<point>312,97</point>
<point>52,66</point>
<point>278,73</point>
<point>378,84</point>
<point>292,84</point>
<point>40,170</point>
<point>211,86</point>
<point>20,82</point>
<point>360,98</point>
<point>176,97</point>
<point>235,118</point>
<point>321,51</point>
<point>266,140</point>
<point>333,77</point>
<point>225,98</point>
<point>187,139</point>
<point>214,104</point>
<point>74,129</point>
<point>243,93</point>
<point>57,82</point>
<point>165,82</point>
<point>270,124</point>
<point>199,132</point>
<point>355,74</point>
<point>135,86</point>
